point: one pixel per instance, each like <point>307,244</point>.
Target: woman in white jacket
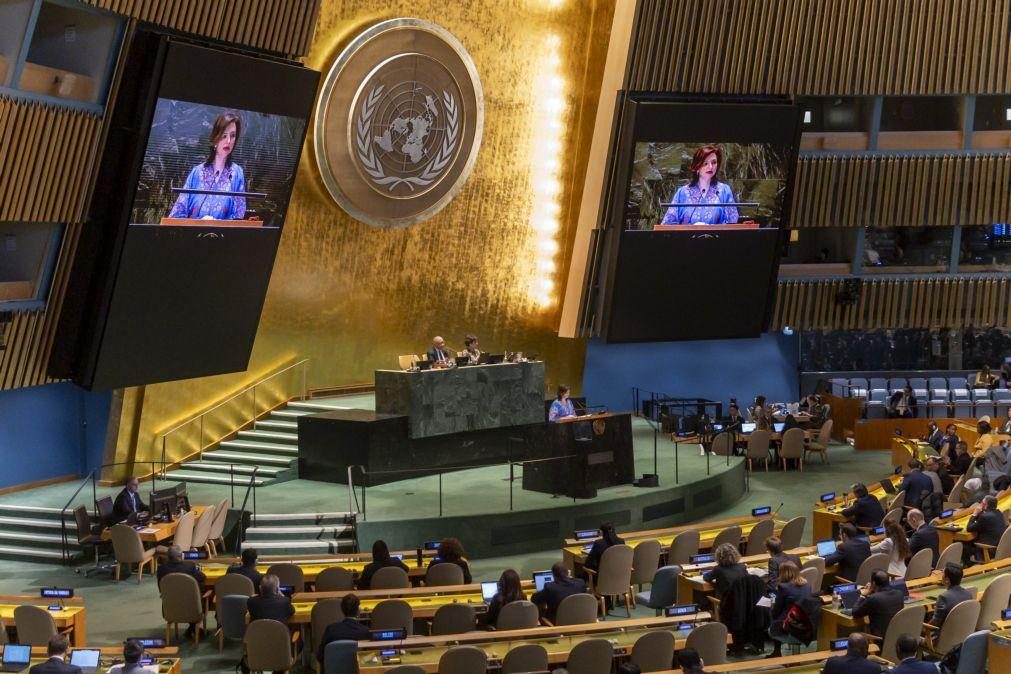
<point>896,545</point>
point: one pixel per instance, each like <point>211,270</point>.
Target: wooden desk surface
<point>311,570</point>
<point>111,655</point>
<point>826,515</point>
<point>157,532</point>
<point>559,642</point>
<point>402,593</point>
<point>72,615</point>
<point>952,528</point>
<point>802,662</point>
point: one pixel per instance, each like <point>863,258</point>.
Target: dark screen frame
<point>647,117</point>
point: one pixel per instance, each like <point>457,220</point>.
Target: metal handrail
<point>240,533</point>
<point>200,417</point>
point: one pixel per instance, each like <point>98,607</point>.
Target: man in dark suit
<point>953,595</point>
<point>879,603</point>
<point>57,651</point>
<point>855,661</point>
<point>948,442</point>
<point>924,535</point>
<point>933,435</point>
<point>439,353</point>
<point>902,404</point>
<point>960,464</point>
<point>987,522</point>
<point>248,568</point>
<point>774,546</point>
<point>905,648</point>
<point>128,502</point>
<point>915,484</point>
<point>936,467</point>
<point>176,564</point>
<point>866,510</point>
<point>850,554</point>
<point>348,629</point>
<point>270,604</point>
<point>554,592</point>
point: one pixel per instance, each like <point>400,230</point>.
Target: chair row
<point>859,386</point>
<point>959,409</point>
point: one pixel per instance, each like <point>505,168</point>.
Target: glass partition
<point>14,16</point>
<point>28,252</point>
<point>985,248</point>
<point>907,249</point>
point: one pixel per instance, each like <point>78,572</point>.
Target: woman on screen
<point>217,174</point>
<point>689,202</point>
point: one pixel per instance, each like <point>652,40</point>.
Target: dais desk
<point>167,658</point>
<point>71,615</point>
<point>156,532</point>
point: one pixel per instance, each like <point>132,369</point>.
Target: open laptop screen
<point>86,657</point>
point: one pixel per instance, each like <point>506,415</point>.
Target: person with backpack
<point>791,595</point>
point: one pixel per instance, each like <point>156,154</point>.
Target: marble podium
<point>463,399</point>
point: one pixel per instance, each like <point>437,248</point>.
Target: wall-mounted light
<point>1007,114</point>
<point>807,116</point>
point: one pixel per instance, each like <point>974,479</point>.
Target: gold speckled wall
<point>352,297</point>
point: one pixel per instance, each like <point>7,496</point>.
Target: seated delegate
<point>346,629</point>
<point>128,502</point>
<point>451,552</point>
<point>381,558</point>
<point>561,586</point>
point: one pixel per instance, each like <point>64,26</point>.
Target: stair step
<point>300,547</point>
<point>290,414</point>
<point>17,552</point>
<point>275,424</point>
<point>313,406</point>
<point>301,520</point>
<point>243,469</point>
<point>40,512</point>
<point>281,437</point>
<point>31,523</point>
<point>45,540</point>
<point>208,478</point>
<point>242,457</point>
<point>298,533</point>
<point>256,445</point>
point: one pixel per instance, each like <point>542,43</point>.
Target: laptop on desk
<point>748,427</point>
<point>16,657</point>
<point>88,659</point>
<point>826,547</point>
<point>888,486</point>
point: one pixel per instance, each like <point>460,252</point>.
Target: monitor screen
<point>432,545</point>
<point>399,556</point>
<point>947,513</point>
<point>489,589</point>
<point>682,610</point>
<point>1006,614</point>
<point>717,427</point>
<point>195,554</point>
<point>584,534</point>
<point>57,592</point>
<point>748,427</point>
<point>147,642</point>
<point>844,587</point>
<point>287,590</point>
<point>197,171</point>
<point>825,498</point>
<point>390,634</point>
<point>778,426</point>
<point>826,548</point>
<point>701,559</point>
<point>878,531</point>
<point>698,183</point>
<point>761,512</point>
<point>542,577</point>
<point>86,657</point>
<point>17,653</point>
<point>839,644</point>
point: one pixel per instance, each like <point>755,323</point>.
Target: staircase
<point>271,446</point>
<point>302,534</point>
<point>32,534</point>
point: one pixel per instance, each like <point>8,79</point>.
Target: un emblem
<point>398,124</point>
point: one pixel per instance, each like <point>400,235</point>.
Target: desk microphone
<point>777,511</point>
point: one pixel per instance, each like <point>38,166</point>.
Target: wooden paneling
<point>895,303</point>
<point>281,26</point>
<point>900,190</point>
<point>822,47</point>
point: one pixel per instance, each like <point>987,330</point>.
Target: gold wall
<point>352,297</point>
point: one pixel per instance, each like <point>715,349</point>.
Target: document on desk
<point>764,602</point>
<point>148,531</point>
<point>758,571</point>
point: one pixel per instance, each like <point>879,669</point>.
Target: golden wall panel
<point>353,297</point>
<point>894,303</point>
<point>896,190</point>
<point>822,47</point>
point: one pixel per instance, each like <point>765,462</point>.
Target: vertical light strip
<point>545,170</point>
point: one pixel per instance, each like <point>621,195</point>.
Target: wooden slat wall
<point>894,190</point>
<point>48,153</point>
<point>281,26</point>
<point>822,47</point>
<point>895,303</point>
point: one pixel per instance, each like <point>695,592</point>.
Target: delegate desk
<point>827,516</point>
<point>71,617</point>
<point>167,657</point>
<point>574,554</point>
<point>953,528</point>
<point>156,532</point>
<point>313,566</point>
<point>999,648</point>
<point>425,652</point>
<point>835,623</point>
<point>802,663</point>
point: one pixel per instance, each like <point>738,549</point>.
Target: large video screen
<point>699,196</point>
<point>196,178</point>
<point>218,165</point>
<point>688,183</point>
